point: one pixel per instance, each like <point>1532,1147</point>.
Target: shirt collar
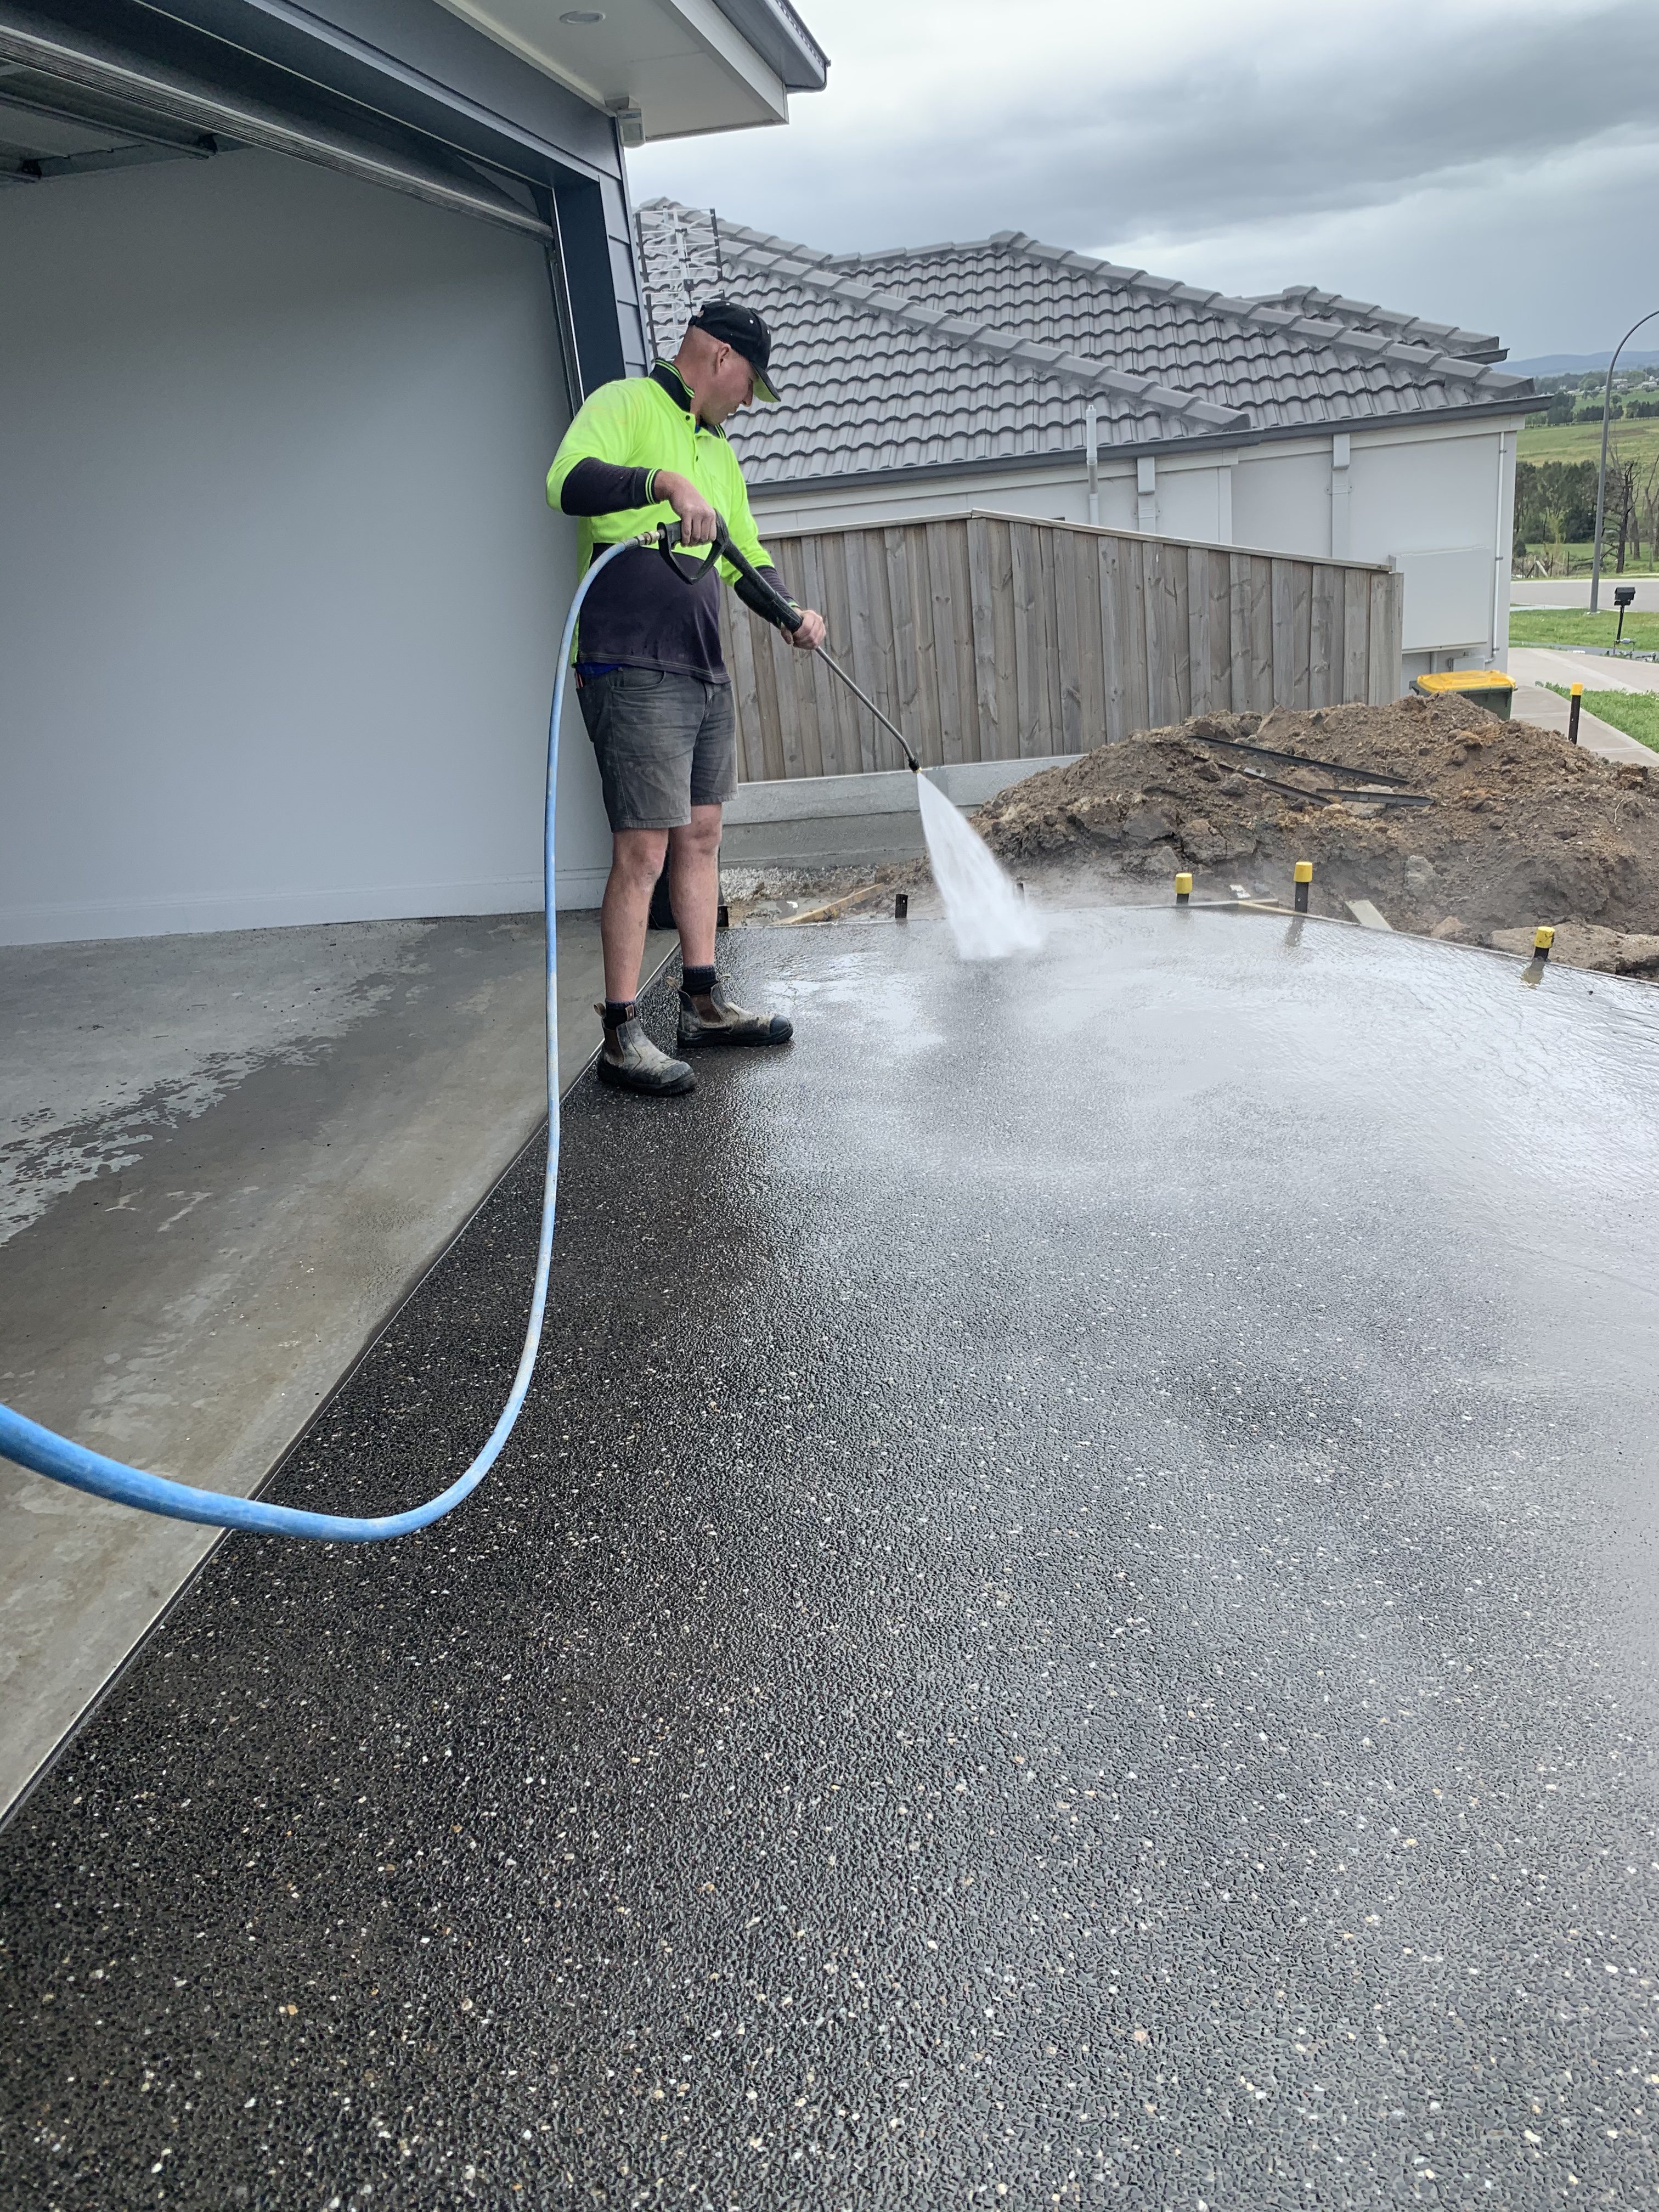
<point>669,377</point>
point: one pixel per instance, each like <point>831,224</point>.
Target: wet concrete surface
<point>1070,1620</point>
<point>223,1160</point>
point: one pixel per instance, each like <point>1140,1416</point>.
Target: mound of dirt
<point>1521,827</point>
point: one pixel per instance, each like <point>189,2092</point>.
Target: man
<point>654,692</point>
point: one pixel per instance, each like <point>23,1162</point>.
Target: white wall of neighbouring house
<point>279,590</point>
<point>1047,494</point>
<point>1281,496</point>
<point>1436,498</point>
<point>1440,502</point>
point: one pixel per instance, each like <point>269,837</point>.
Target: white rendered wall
<point>1194,497</point>
<point>1047,496</point>
<point>1441,504</point>
<point>1437,499</point>
<point>279,589</point>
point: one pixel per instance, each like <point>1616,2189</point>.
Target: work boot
<point>710,1017</point>
<point>630,1061</point>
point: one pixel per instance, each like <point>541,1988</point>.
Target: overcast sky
<point>1492,165</point>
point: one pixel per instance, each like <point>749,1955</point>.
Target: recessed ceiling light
<point>583,16</point>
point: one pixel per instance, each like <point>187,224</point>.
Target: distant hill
<point>1573,364</point>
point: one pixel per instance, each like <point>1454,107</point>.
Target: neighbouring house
<point>1006,374</point>
<point>298,301</point>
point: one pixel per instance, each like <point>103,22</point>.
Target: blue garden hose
<point>32,1446</point>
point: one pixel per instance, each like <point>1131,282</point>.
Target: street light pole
<point>1602,478</point>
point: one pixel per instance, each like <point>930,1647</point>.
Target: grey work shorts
<point>665,743</point>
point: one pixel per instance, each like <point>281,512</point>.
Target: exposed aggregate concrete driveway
<point>1070,1621</point>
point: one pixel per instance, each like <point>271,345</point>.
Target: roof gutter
<point>781,39</point>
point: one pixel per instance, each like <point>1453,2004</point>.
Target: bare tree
<point>1632,506</point>
<point>1645,485</point>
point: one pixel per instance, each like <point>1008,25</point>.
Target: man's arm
<point>597,453</point>
<point>597,469</point>
<point>597,486</point>
<point>740,527</point>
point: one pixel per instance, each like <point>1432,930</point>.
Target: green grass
<point>1635,712</point>
<point>1636,440</point>
<point>1578,626</point>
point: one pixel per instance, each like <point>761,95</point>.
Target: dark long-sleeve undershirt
<point>596,487</point>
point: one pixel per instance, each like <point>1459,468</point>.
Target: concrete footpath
<point>223,1160</point>
<point>1534,667</point>
<point>1071,1621</point>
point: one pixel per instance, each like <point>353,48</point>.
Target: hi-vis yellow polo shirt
<point>639,614</point>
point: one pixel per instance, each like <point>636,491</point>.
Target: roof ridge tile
<point>1337,336</point>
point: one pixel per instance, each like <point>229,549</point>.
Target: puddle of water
<point>988,918</point>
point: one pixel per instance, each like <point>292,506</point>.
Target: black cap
<point>742,329</point>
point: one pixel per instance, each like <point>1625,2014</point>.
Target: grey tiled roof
<point>991,350</point>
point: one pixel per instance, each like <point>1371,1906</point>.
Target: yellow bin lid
<point>1468,679</point>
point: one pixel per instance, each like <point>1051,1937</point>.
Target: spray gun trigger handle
<point>669,534</point>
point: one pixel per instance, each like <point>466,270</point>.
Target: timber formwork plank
<point>1262,635</point>
<point>1301,634</point>
<point>1027,675</point>
<point>1356,623</point>
<point>1324,649</point>
<point>945,607</point>
<point>1198,628</point>
<point>982,615</point>
<point>1177,632</point>
<point>1218,565</point>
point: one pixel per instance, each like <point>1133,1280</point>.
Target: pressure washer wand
<point>770,602</point>
<point>910,760</point>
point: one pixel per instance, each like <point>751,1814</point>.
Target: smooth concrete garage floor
<point>1070,1620</point>
<point>223,1159</point>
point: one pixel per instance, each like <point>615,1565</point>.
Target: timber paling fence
<point>990,638</point>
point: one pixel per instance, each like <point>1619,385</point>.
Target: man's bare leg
<point>636,858</point>
<point>694,884</point>
<point>630,1061</point>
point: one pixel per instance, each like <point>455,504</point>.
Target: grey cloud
<point>1222,141</point>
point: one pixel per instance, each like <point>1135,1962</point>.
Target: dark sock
<point>616,1011</point>
<point>698,982</point>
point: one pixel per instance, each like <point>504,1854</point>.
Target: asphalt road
<point>1069,1622</point>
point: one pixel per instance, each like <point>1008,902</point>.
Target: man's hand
<point>812,633</point>
<point>696,517</point>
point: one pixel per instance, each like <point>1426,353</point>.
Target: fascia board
<point>777,34</point>
<point>718,33</point>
